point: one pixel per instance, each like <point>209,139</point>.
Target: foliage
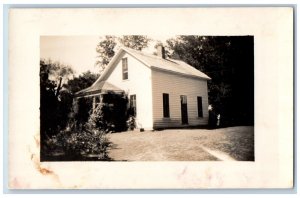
<point>81,82</point>
<point>87,137</point>
<point>55,102</point>
<point>55,71</point>
<point>57,87</point>
<point>82,111</point>
<point>115,111</point>
<point>97,119</point>
<point>112,114</point>
<point>131,124</point>
<point>83,139</point>
<point>106,47</point>
<point>81,145</point>
<point>64,108</point>
<point>229,61</point>
<point>136,42</point>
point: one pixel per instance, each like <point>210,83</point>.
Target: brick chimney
<point>161,51</point>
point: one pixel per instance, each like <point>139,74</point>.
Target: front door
<point>184,110</point>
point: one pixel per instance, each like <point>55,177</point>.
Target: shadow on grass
<point>73,157</point>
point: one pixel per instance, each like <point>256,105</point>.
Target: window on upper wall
<point>200,110</point>
<point>125,68</point>
<point>166,105</point>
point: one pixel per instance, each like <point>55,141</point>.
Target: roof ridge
<point>150,55</point>
<point>177,65</point>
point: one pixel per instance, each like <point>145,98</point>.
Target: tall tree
<point>136,42</point>
<point>229,61</point>
<point>55,101</point>
<point>106,47</point>
<point>55,72</point>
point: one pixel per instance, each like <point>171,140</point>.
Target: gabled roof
<point>167,64</point>
<point>100,86</point>
<point>151,61</point>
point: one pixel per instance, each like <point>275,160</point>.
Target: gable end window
<point>166,105</point>
<point>125,68</point>
<point>200,110</point>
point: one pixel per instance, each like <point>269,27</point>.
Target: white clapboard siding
<point>138,83</point>
<point>176,85</point>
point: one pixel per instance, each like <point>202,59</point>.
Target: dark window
<point>125,68</point>
<point>133,104</point>
<point>97,99</point>
<point>200,110</point>
<point>166,105</point>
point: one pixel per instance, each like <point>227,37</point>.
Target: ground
<point>232,143</point>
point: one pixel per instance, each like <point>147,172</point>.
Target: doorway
<point>184,110</point>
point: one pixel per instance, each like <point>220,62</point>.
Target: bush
<point>89,143</point>
<point>82,110</point>
<point>114,112</point>
<point>110,115</point>
<point>85,145</point>
<point>98,120</point>
<point>131,123</point>
<point>85,135</point>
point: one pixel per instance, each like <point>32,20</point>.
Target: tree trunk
<point>58,87</point>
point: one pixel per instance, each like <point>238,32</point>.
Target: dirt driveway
<point>233,143</point>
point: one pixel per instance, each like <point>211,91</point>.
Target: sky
<point>79,52</point>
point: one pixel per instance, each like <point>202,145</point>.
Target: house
<point>165,93</point>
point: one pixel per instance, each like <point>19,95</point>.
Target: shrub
<point>114,111</point>
<point>76,146</point>
<point>112,114</point>
<point>131,123</point>
<point>82,110</point>
<point>85,135</point>
<point>89,143</point>
<point>98,120</point>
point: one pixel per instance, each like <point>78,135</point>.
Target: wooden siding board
<point>176,85</point>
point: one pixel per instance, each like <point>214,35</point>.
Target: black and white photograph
<point>143,98</point>
<point>150,98</point>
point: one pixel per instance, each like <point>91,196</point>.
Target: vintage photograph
<point>147,98</point>
<point>150,98</point>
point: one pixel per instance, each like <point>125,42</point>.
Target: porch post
<point>94,103</point>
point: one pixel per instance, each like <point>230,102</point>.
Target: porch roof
<point>98,87</point>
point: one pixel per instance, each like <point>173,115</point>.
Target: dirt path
<point>234,143</point>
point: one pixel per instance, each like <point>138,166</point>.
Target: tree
<point>55,72</point>
<point>136,42</point>
<point>55,101</point>
<point>229,61</point>
<point>82,113</point>
<point>81,82</point>
<point>105,48</point>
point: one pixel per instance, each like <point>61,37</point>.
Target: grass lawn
<point>233,143</point>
